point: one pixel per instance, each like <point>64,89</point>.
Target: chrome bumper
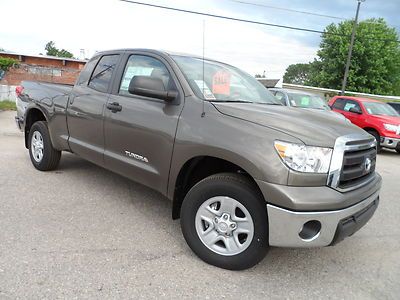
<point>391,143</point>
<point>285,226</point>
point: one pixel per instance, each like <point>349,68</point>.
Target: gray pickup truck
<point>242,171</point>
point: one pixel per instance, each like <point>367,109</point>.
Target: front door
<point>139,137</point>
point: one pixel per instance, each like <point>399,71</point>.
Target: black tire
<point>378,140</point>
<point>242,190</point>
<point>398,150</point>
<point>51,157</point>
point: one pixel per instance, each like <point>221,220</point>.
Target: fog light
<point>310,230</point>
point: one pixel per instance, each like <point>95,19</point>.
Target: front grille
<point>358,166</point>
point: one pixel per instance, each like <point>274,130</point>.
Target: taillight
<point>18,90</point>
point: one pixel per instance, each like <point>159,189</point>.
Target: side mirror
<point>355,110</point>
<point>151,87</point>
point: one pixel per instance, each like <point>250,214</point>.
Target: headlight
<point>303,158</point>
<point>391,127</point>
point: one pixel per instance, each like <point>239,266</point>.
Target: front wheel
<point>378,140</point>
<point>224,221</point>
<point>43,156</point>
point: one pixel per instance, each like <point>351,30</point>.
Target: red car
<point>376,117</point>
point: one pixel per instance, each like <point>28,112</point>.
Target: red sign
<point>221,83</point>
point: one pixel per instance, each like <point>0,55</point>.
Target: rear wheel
<point>377,138</point>
<point>43,156</point>
<point>224,221</point>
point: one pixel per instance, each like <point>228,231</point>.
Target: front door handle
<point>114,107</point>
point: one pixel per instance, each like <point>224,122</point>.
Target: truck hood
<point>387,119</point>
<point>313,128</point>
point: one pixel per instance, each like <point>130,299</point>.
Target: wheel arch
<point>197,168</point>
<point>32,115</point>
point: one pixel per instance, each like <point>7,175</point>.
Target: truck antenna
<point>203,112</point>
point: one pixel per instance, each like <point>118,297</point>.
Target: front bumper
<point>389,142</point>
<point>287,228</point>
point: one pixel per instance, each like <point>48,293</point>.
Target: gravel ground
<point>84,232</point>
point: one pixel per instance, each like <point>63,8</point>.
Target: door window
<point>102,74</point>
<point>140,65</point>
<point>339,104</point>
<point>350,104</point>
<point>281,97</point>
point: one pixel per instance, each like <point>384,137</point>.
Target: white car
<point>305,100</point>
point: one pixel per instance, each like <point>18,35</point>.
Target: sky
<point>96,25</point>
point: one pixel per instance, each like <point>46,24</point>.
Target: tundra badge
<point>136,156</point>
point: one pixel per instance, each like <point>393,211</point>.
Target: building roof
<point>268,83</point>
<point>43,56</point>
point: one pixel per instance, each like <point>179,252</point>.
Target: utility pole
<point>353,34</point>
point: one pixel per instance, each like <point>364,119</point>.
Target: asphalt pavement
<point>84,232</point>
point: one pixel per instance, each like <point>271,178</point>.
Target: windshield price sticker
<point>208,95</point>
<point>221,83</point>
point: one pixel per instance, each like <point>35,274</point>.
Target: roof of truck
<point>358,99</point>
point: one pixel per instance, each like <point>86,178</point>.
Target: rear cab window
<point>102,74</point>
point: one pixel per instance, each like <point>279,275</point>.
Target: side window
<point>339,104</point>
<point>281,97</point>
<point>140,65</point>
<point>350,104</point>
<point>102,74</point>
<point>84,76</point>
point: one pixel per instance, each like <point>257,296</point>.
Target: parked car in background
<point>376,117</point>
<point>300,99</point>
<point>395,105</point>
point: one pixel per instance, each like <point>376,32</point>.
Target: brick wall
<point>43,69</point>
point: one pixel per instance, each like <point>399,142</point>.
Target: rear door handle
<point>114,107</point>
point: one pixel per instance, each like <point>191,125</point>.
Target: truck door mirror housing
<point>355,110</point>
<point>151,87</point>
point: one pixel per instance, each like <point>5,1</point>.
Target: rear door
<point>139,137</point>
<point>86,108</point>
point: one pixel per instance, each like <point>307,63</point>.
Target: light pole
<point>353,34</point>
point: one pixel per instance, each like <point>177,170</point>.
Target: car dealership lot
<point>84,232</point>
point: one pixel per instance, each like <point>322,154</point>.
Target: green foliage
<point>297,73</point>
<point>6,63</point>
<point>53,51</point>
<point>7,105</point>
<point>375,63</point>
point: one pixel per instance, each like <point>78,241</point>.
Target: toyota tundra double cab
<point>243,172</point>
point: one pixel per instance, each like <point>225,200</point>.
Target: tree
<point>6,63</point>
<point>297,73</point>
<point>375,63</point>
<point>53,51</point>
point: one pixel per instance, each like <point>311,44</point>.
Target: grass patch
<point>7,105</point>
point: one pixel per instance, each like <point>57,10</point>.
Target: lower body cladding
<point>321,228</point>
<point>389,142</point>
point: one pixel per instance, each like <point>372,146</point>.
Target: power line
<point>248,21</point>
<point>288,9</point>
<point>298,11</point>
<point>229,18</point>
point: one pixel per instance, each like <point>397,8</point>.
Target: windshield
<point>307,101</point>
<point>380,108</point>
<point>222,82</point>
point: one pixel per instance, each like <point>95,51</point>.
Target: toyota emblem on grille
<point>367,164</point>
